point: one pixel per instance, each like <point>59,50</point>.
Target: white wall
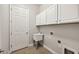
<point>0,26</point>
<point>4,22</point>
<point>66,32</point>
<point>44,6</point>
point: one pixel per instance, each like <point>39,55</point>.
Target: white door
<point>68,12</point>
<point>52,14</point>
<point>19,28</point>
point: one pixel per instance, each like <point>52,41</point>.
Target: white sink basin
<point>38,36</point>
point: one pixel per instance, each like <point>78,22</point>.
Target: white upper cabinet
<point>43,18</point>
<point>38,20</point>
<point>52,14</point>
<point>68,13</point>
<point>61,13</point>
<point>48,16</point>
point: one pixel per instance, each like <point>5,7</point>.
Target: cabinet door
<point>51,42</point>
<point>52,14</point>
<point>38,20</point>
<point>43,18</point>
<point>68,12</point>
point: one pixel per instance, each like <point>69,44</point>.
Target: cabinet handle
<point>59,41</point>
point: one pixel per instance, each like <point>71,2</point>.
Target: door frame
<point>10,27</point>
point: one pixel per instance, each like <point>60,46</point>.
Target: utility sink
<point>38,36</point>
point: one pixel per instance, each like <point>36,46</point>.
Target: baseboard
<point>30,45</point>
<point>52,51</point>
<point>6,52</point>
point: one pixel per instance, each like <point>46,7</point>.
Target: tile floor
<point>32,50</point>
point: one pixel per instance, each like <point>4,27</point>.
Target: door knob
<point>26,32</point>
